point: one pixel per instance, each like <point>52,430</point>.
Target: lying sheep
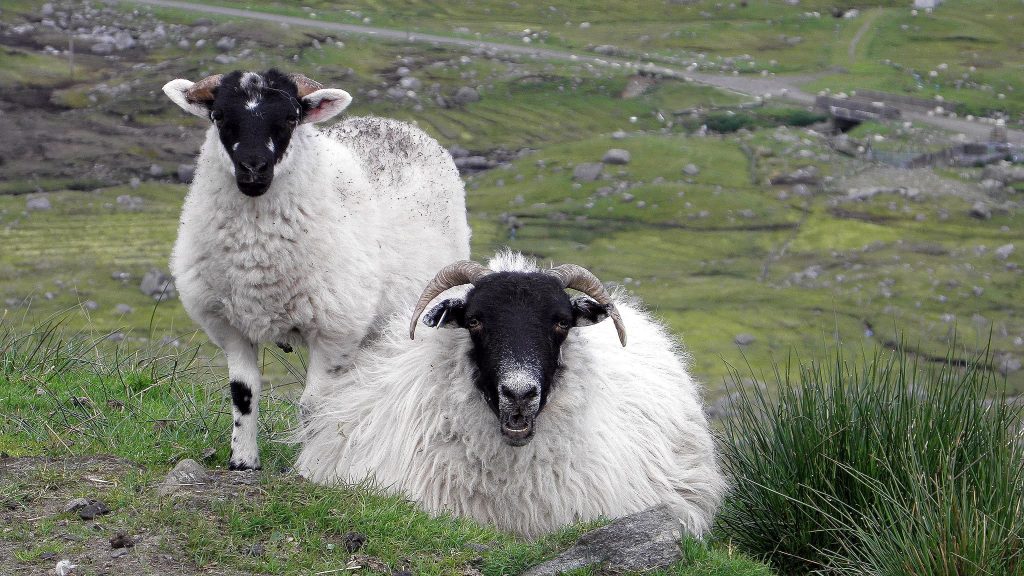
<point>517,417</point>
<point>293,235</point>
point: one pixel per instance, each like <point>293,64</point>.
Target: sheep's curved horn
<point>305,85</point>
<point>579,278</point>
<point>202,92</point>
<point>457,274</point>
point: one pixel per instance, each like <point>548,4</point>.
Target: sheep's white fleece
<point>623,429</point>
<point>357,219</point>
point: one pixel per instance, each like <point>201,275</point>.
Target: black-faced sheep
<point>290,234</point>
<point>518,416</point>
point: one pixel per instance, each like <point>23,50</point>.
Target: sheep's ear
<point>448,314</point>
<point>176,89</point>
<point>586,311</point>
<point>324,104</point>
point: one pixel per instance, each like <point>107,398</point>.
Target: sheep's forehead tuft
<point>252,84</point>
<point>511,261</point>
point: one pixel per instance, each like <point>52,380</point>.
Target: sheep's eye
<point>216,116</point>
<point>562,325</point>
<point>293,122</point>
<point>472,323</point>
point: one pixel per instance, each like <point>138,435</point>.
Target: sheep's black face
<point>518,322</point>
<point>255,115</point>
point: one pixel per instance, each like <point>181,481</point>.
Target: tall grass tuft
<point>878,467</point>
<point>80,393</point>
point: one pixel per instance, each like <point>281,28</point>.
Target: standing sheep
<point>516,417</point>
<point>290,234</point>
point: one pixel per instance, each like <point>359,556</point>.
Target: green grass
<point>63,397</point>
<point>901,468</point>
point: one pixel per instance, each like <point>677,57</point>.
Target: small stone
<point>156,170</point>
<point>93,509</point>
<point>1004,251</point>
<point>744,339</point>
<point>75,505</point>
<point>118,552</point>
<point>90,305</point>
<point>186,472</point>
<point>354,541</point>
<point>185,173</point>
<point>37,203</point>
<point>691,170</point>
<point>981,211</point>
<point>135,183</point>
<point>122,540</point>
<point>225,43</point>
<point>130,203</point>
<point>123,309</point>
<point>158,285</point>
<point>616,156</point>
<point>587,171</point>
<point>466,95</point>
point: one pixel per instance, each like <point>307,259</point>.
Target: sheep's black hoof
<point>286,347</point>
<point>241,466</point>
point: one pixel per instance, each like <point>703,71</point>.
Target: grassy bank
<point>108,426</point>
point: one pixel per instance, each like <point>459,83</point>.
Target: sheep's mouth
<point>253,186</point>
<point>517,431</point>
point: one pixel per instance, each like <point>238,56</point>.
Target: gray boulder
<point>616,156</point>
<point>691,170</point>
<point>158,285</point>
<point>808,175</point>
<point>981,211</point>
<point>744,339</point>
<point>473,163</point>
<point>186,473</point>
<point>466,95</point>
<point>643,541</point>
<point>587,171</point>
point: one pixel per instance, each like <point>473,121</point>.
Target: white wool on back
<point>623,429</point>
<point>357,219</point>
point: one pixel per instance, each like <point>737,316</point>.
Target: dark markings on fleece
<point>241,396</point>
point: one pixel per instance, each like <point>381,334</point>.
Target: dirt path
<point>869,20</point>
<point>776,87</point>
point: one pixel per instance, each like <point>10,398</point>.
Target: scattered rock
<point>187,472</point>
<point>473,163</point>
<point>691,170</point>
<point>354,541</point>
<point>410,83</point>
<point>466,95</point>
<point>75,505</point>
<point>93,509</point>
<point>123,309</point>
<point>90,305</point>
<point>158,285</point>
<point>458,151</point>
<point>990,185</point>
<point>744,339</point>
<point>122,540</point>
<point>616,156</point>
<point>1005,173</point>
<point>186,172</point>
<point>807,175</point>
<point>642,541</point>
<point>156,170</point>
<point>64,568</point>
<point>1007,363</point>
<point>118,552</point>
<point>129,202</point>
<point>723,407</point>
<point>37,203</point>
<point>225,44</point>
<point>981,211</point>
<point>587,171</point>
<point>1004,251</point>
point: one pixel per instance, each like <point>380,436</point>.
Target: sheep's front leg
<point>245,383</point>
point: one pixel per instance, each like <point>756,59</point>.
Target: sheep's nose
<point>254,166</point>
<point>518,420</point>
<point>519,394</point>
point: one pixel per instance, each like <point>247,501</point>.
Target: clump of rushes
<point>881,467</point>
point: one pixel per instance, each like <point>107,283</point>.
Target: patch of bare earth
<point>36,532</point>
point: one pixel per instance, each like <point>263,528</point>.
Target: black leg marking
<point>238,423</point>
<point>241,396</point>
<point>285,346</point>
